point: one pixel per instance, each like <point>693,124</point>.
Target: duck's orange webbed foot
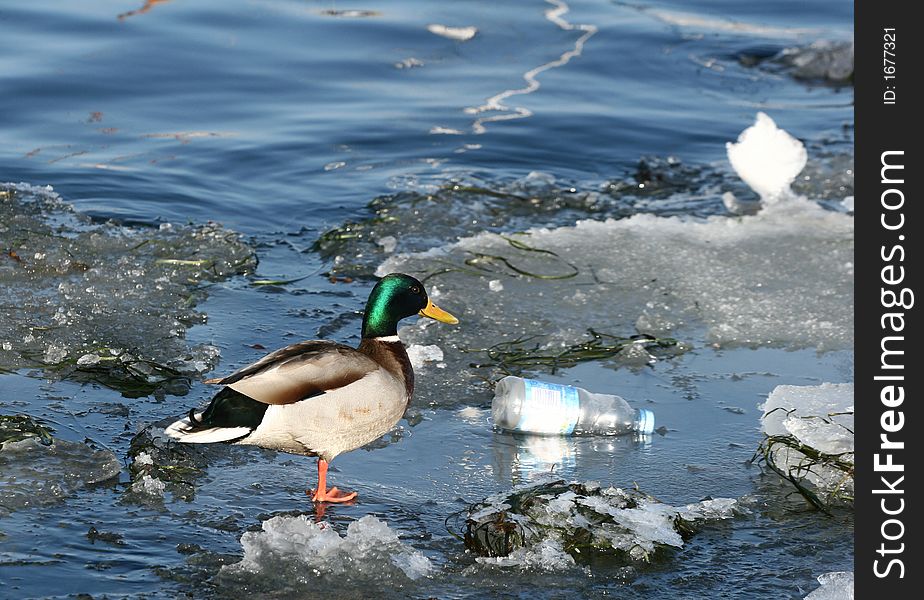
<point>331,495</point>
<point>322,494</point>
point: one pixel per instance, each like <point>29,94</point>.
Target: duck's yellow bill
<point>435,312</point>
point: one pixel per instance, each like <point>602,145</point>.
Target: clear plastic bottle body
<point>534,406</point>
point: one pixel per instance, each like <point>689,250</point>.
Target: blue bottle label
<point>549,408</point>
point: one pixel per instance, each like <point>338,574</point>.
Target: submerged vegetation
<point>15,428</point>
<point>775,451</point>
<point>513,357</point>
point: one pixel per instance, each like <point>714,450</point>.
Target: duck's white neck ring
<point>387,338</point>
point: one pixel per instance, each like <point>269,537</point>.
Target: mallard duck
<point>321,398</point>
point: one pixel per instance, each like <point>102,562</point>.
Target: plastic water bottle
<point>534,406</point>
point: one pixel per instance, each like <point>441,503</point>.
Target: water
<point>285,119</point>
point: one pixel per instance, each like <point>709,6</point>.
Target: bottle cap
<point>646,422</point>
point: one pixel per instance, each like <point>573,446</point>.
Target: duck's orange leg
<point>322,494</point>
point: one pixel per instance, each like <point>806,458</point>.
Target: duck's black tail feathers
<point>230,416</point>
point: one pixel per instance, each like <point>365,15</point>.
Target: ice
<point>420,355</point>
<point>635,354</point>
<point>388,243</point>
<point>160,464</point>
<point>461,34</point>
<point>33,473</point>
<point>821,60</point>
<point>88,359</point>
<point>837,585</point>
<point>55,353</point>
<point>713,508</point>
<point>295,547</point>
<point>547,555</point>
<point>149,486</point>
<point>77,294</point>
<point>667,275</point>
<point>821,418</point>
<point>709,23</point>
<point>540,524</point>
<point>767,158</point>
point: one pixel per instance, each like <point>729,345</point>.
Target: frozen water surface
<point>654,275</point>
<point>109,301</point>
<point>33,474</point>
<point>834,586</point>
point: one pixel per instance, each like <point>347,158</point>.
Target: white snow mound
<point>767,158</point>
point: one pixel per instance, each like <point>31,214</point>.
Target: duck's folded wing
<point>300,371</point>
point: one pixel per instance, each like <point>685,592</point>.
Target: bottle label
<point>549,408</point>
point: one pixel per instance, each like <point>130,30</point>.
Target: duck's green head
<point>395,297</point>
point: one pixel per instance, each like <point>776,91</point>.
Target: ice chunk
<point>55,353</point>
<point>289,545</point>
<point>33,473</point>
<point>713,508</point>
<point>460,34</point>
<point>823,59</point>
<point>419,355</point>
<point>547,555</point>
<point>149,486</point>
<point>77,291</point>
<point>88,359</point>
<point>834,586</point>
<point>767,158</point>
<point>636,354</point>
<point>388,243</point>
<point>540,524</point>
<point>820,418</point>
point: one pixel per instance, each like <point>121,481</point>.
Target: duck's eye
<point>415,290</point>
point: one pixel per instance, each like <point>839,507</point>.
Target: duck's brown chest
<point>393,357</point>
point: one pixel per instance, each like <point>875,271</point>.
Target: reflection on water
<point>521,458</point>
<point>148,5</point>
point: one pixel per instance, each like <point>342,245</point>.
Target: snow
<point>370,550</point>
<point>767,158</point>
<point>837,585</point>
